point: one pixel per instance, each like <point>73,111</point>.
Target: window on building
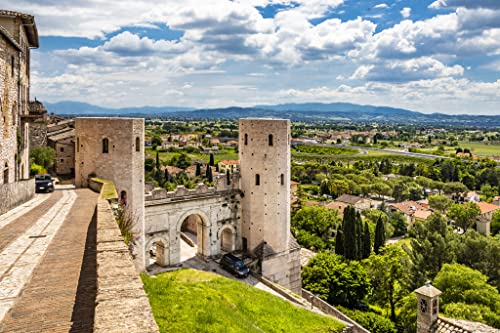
<point>137,144</point>
<point>12,65</point>
<point>77,145</point>
<point>257,179</point>
<point>6,173</point>
<point>282,177</point>
<point>105,145</point>
<point>61,149</point>
<point>246,139</point>
<point>270,139</point>
<point>62,160</point>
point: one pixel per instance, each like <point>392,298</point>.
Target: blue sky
<point>425,55</point>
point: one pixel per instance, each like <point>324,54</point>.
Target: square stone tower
<point>264,153</point>
<point>113,149</point>
<point>428,307</point>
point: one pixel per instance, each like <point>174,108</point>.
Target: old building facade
<point>18,34</point>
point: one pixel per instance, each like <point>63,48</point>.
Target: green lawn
<point>200,302</point>
<point>321,150</point>
<point>481,149</point>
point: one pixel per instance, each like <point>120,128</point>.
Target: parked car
<point>43,183</point>
<point>234,265</point>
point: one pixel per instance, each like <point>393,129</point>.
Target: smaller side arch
<point>227,238</point>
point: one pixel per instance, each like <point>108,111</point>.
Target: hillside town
<point>157,223</point>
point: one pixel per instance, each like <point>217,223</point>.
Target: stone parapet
<point>15,194</point>
<point>121,302</point>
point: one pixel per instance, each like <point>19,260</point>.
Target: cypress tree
<point>359,236</point>
<point>198,170</point>
<point>208,174</point>
<point>349,229</point>
<point>367,242</point>
<point>157,161</point>
<point>167,175</point>
<point>212,162</point>
<point>339,242</point>
<point>379,236</point>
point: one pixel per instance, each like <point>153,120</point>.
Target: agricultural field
<point>481,149</point>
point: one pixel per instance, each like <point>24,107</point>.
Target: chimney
<point>428,307</point>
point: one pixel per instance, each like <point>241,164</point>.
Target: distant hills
<point>339,112</point>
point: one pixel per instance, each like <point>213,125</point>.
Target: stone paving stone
<point>61,294</point>
<point>14,229</point>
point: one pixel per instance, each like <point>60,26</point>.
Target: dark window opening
<point>270,139</point>
<point>62,160</point>
<point>282,179</point>
<point>77,145</point>
<point>105,145</point>
<point>137,144</point>
<point>6,174</point>
<point>257,179</point>
<point>246,139</point>
<point>12,65</point>
<point>62,149</point>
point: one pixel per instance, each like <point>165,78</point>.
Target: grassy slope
<point>195,301</point>
<point>226,154</point>
<point>481,149</point>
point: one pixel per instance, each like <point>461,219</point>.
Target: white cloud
<point>381,5</point>
<point>406,12</point>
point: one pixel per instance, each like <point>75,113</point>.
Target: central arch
<point>193,233</point>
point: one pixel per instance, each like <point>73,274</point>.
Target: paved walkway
<point>47,264</point>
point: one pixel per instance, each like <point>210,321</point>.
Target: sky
<point>423,55</point>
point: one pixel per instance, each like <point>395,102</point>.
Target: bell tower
<point>428,307</point>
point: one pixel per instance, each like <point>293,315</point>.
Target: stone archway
<point>193,232</point>
<point>227,238</point>
<point>157,250</point>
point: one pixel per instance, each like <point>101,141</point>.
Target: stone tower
<point>113,149</point>
<point>264,153</point>
<point>428,307</point>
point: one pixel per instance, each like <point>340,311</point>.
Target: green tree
<point>44,156</point>
<point>339,242</point>
<point>198,170</point>
<point>387,272</point>
<point>495,223</point>
<point>208,174</point>
<point>351,235</point>
<point>454,188</point>
<point>467,295</point>
<point>313,227</point>
<point>212,162</point>
<point>336,281</point>
<point>379,236</point>
<point>157,165</point>
<point>367,242</point>
<point>371,321</point>
<point>440,202</point>
<point>464,214</point>
<point>156,141</point>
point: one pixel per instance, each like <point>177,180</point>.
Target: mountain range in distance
<point>340,112</point>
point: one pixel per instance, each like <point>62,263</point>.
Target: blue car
<point>43,183</point>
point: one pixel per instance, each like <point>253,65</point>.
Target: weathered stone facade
<point>14,194</point>
<point>264,153</point>
<point>218,222</point>
<point>17,35</point>
<point>113,149</point>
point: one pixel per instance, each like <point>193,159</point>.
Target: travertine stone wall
<point>65,156</point>
<point>266,207</point>
<point>121,302</point>
<point>123,163</point>
<point>15,194</point>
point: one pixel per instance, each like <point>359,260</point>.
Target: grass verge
<point>194,301</point>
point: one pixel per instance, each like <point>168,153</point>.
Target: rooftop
<point>487,207</point>
<point>28,22</point>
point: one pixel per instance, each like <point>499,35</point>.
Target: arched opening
<point>123,198</point>
<point>192,237</point>
<point>157,253</point>
<point>105,145</point>
<point>227,240</point>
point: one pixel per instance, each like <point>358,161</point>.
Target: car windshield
<point>42,177</point>
<point>239,264</point>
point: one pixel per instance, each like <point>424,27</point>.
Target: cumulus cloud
<point>406,12</point>
<point>438,4</point>
<point>381,5</point>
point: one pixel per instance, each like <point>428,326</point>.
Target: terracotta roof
<point>171,169</point>
<point>28,22</point>
<point>422,214</point>
<point>292,182</point>
<point>410,207</point>
<point>231,162</point>
<point>348,199</point>
<point>340,206</point>
<point>487,207</point>
<point>446,325</point>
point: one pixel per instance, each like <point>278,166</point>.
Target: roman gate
<point>206,218</point>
